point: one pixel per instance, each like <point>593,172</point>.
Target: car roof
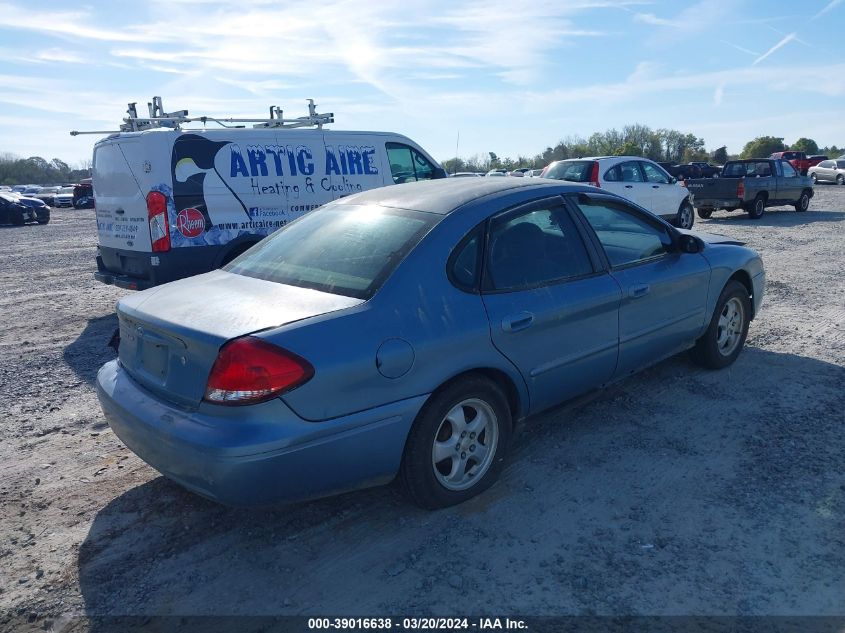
<point>442,196</point>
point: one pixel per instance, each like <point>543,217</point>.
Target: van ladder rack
<point>174,120</point>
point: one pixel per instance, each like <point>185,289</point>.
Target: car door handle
<point>119,211</point>
<point>635,292</point>
<point>629,186</point>
<point>518,321</point>
<point>655,186</point>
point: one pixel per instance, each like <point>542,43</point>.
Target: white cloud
<point>830,6</point>
<point>718,95</point>
<point>786,40</point>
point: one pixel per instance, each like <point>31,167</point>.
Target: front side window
<point>789,170</point>
<point>407,164</point>
<point>346,250</point>
<point>840,164</point>
<point>627,236</point>
<point>630,172</point>
<point>654,174</point>
<point>534,248</point>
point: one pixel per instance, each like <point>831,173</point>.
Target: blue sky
<point>510,77</point>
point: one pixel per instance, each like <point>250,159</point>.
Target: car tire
<point>705,214</point>
<point>758,207</point>
<point>44,221</point>
<point>725,337</point>
<point>685,217</point>
<point>840,180</point>
<point>433,474</point>
<point>803,202</point>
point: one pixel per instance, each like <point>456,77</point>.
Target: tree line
<point>662,145</point>
<point>39,171</point>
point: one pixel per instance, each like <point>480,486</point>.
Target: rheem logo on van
<point>190,222</point>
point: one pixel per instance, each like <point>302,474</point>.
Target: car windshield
<point>341,249</point>
<point>66,190</point>
<point>574,171</point>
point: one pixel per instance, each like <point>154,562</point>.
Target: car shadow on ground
<point>91,350</point>
<point>775,216</point>
<point>730,466</point>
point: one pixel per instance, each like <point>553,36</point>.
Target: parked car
<point>63,198</point>
<point>708,170</point>
<point>83,195</point>
<point>752,185</point>
<point>816,159</point>
<point>533,173</point>
<point>466,174</point>
<point>47,194</point>
<point>268,398</point>
<point>42,211</point>
<point>681,172</point>
<point>798,160</point>
<point>497,172</point>
<point>638,179</point>
<point>14,211</point>
<point>828,171</point>
<point>519,172</point>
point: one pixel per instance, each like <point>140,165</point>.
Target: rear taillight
<point>740,189</point>
<point>594,175</point>
<point>250,370</point>
<point>159,226</point>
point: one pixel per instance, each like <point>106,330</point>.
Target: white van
<point>171,203</point>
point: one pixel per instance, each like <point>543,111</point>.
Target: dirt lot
<point>680,491</point>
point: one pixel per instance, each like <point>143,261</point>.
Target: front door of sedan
<point>551,313</point>
<point>664,292</point>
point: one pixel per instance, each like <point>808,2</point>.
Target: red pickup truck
<point>798,160</point>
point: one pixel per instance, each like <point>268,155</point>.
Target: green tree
<point>806,145</point>
<point>720,156</point>
<point>762,146</point>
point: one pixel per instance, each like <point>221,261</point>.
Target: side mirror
<point>672,180</point>
<point>688,243</point>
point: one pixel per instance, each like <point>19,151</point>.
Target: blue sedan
<point>406,330</point>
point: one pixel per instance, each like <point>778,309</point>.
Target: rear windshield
<point>341,249</point>
<point>751,168</point>
<point>574,171</point>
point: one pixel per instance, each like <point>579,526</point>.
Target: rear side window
<point>573,171</point>
<point>788,171</point>
<point>534,248</point>
<point>630,172</point>
<point>407,164</point>
<point>348,250</point>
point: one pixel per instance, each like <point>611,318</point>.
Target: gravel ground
<point>678,491</point>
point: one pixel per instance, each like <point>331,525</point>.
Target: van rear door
<point>120,204</point>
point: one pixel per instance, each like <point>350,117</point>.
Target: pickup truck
<point>798,160</point>
<point>751,185</point>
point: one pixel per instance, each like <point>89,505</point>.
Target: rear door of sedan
<point>553,311</point>
<point>664,292</point>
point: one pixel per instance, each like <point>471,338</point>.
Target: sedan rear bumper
<point>258,454</point>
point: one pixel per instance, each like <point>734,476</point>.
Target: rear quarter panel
<point>429,328</point>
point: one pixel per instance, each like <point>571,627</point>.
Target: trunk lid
<point>170,335</point>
